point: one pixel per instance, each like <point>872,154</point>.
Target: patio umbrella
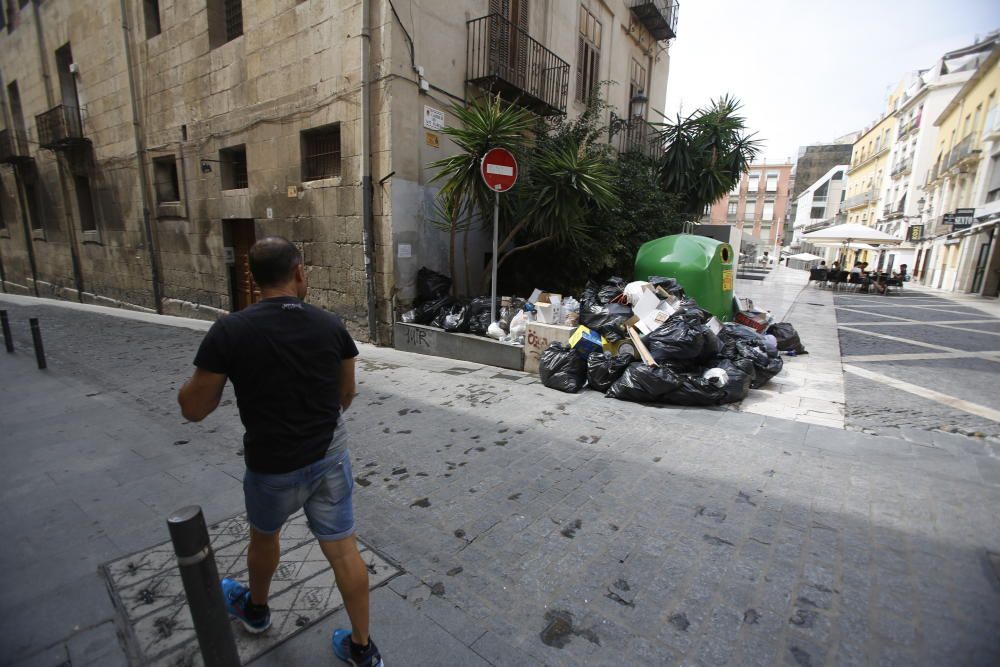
<point>850,233</point>
<point>805,257</point>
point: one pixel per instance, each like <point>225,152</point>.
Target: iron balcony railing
<point>503,59</point>
<point>60,127</point>
<point>658,16</point>
<point>904,166</point>
<point>858,199</point>
<point>960,152</point>
<point>635,135</point>
<point>14,146</point>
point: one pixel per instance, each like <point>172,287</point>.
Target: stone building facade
<point>147,143</point>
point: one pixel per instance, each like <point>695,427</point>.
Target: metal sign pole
<point>496,252</point>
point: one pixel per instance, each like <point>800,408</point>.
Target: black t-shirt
<point>283,357</point>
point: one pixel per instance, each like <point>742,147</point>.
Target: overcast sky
<point>808,71</point>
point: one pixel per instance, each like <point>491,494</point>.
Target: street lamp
<point>638,104</point>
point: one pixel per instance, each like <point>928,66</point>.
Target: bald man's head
<point>273,261</point>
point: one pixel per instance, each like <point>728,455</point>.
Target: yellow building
<point>963,189</point>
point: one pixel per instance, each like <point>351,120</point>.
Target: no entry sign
<point>499,169</point>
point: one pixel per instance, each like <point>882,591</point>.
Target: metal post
<point>496,252</point>
<point>36,339</point>
<point>200,576</point>
<point>8,340</point>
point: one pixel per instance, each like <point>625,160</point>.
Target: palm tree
<point>705,154</point>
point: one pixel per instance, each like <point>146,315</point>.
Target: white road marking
<point>990,355</point>
<point>923,392</point>
<point>901,340</point>
<point>919,323</point>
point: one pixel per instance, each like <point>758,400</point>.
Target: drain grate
<point>150,595</point>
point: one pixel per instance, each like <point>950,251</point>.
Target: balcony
<point>503,59</point>
<point>962,153</point>
<point>61,128</point>
<point>903,167</point>
<point>658,16</point>
<point>14,147</point>
<point>635,135</point>
<point>860,199</point>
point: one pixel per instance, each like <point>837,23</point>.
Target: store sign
<point>948,219</point>
<point>964,217</point>
<point>915,232</point>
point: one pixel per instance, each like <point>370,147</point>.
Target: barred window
<point>165,181</point>
<point>321,152</point>
<point>151,10</point>
<point>85,203</point>
<point>233,167</point>
<point>225,21</point>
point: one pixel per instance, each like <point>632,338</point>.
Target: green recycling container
<point>702,266</point>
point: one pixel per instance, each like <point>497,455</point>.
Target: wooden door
<point>243,237</point>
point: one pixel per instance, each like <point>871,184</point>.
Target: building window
<point>753,184</point>
<point>20,132</point>
<point>31,196</point>
<point>750,210</point>
<point>165,182</point>
<point>817,212</point>
<point>151,10</point>
<point>732,208</point>
<point>321,153</point>
<point>768,212</point>
<point>993,189</point>
<point>637,82</point>
<point>588,56</point>
<point>233,167</point>
<point>85,202</point>
<point>772,181</point>
<point>225,21</point>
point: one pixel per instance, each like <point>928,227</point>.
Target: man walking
<point>292,367</point>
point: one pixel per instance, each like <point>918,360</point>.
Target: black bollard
<point>202,587</point>
<point>8,340</point>
<point>36,339</point>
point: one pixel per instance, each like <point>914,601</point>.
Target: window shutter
<point>581,62</point>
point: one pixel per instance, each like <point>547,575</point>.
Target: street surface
<point>530,527</point>
<point>948,351</point>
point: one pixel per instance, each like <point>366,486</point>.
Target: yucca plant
<point>705,154</point>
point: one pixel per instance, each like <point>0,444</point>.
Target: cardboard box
<point>652,322</point>
<point>586,341</point>
<point>546,313</point>
<point>538,337</point>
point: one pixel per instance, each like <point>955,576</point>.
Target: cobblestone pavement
<point>533,527</point>
<point>947,352</point>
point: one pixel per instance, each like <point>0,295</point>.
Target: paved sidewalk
<point>533,527</point>
<point>810,388</point>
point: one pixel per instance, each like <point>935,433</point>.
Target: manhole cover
<point>150,594</point>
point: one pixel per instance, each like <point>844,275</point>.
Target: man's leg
<point>352,580</point>
<point>262,561</point>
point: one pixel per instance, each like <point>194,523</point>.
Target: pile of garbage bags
<point>685,356</point>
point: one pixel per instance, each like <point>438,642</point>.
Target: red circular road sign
<point>499,169</point>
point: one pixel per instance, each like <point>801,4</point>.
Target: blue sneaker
<point>352,655</point>
<point>237,597</point>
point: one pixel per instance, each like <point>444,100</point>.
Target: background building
<point>757,205</point>
<point>813,163</point>
<point>150,142</point>
<point>819,206</point>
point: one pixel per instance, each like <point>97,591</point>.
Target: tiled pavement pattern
<point>948,346</point>
<point>148,587</point>
<point>533,527</point>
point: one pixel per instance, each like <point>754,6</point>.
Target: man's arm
<point>348,389</point>
<point>201,394</point>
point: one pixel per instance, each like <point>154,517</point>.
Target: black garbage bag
<point>644,384</point>
<point>453,317</point>
<point>426,312</point>
<point>480,315</point>
<point>562,368</point>
<point>669,285</point>
<point>741,375</point>
<point>695,390</point>
<point>763,372</point>
<point>613,288</point>
<point>677,339</point>
<point>737,341</point>
<point>432,285</point>
<point>608,320</point>
<point>712,347</point>
<point>692,311</point>
<point>603,369</point>
<point>788,337</point>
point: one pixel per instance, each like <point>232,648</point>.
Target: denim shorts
<point>322,489</point>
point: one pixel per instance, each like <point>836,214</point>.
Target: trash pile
<point>647,342</point>
<point>642,341</point>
